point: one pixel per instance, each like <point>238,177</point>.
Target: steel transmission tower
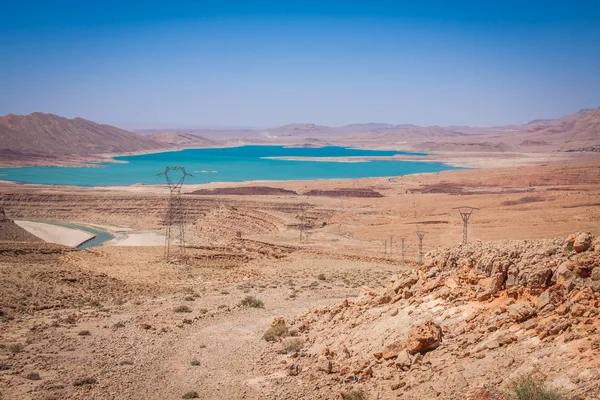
<point>420,234</point>
<point>174,238</point>
<point>403,238</point>
<point>465,213</point>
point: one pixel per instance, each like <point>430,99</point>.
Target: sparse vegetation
<point>182,309</point>
<point>292,345</point>
<point>195,363</point>
<point>33,376</point>
<point>190,395</point>
<point>15,348</point>
<point>118,325</point>
<point>275,332</point>
<point>85,381</point>
<point>527,388</point>
<point>356,395</point>
<point>84,333</point>
<point>524,200</point>
<point>253,302</point>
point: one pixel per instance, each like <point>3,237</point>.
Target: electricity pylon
<point>420,234</point>
<point>174,238</point>
<point>403,238</point>
<point>465,213</point>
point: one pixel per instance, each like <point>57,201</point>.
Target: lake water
<point>231,164</point>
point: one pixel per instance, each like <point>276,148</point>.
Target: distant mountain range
<point>54,136</point>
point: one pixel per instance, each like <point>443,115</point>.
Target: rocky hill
<point>50,134</point>
<point>582,126</point>
<point>470,321</point>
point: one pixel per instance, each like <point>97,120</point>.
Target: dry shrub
<point>85,381</point>
<point>33,376</point>
<point>293,345</point>
<point>182,309</point>
<point>15,348</point>
<point>527,388</point>
<point>253,302</point>
<point>276,332</point>
<point>355,395</point>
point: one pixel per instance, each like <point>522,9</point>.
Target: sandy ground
<point>56,234</point>
<point>139,239</point>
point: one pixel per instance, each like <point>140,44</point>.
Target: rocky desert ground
<point>253,312</point>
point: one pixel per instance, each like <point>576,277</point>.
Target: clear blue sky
<point>221,63</point>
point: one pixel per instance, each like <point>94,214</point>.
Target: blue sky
<point>205,63</point>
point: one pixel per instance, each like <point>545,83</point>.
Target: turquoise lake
<point>232,164</point>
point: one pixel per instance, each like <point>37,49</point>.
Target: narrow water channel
<point>99,236</point>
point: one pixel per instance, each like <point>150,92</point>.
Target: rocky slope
<point>181,139</point>
<point>464,325</point>
<point>11,232</point>
<point>50,134</point>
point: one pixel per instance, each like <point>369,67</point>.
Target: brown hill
<point>182,139</point>
<point>51,134</point>
<point>11,232</point>
<point>573,130</point>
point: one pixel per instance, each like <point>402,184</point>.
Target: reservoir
<point>232,164</point>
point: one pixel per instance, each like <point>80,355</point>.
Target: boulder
<point>324,365</point>
<point>582,242</point>
<point>405,282</point>
<point>403,360</point>
<point>521,311</point>
<point>424,337</point>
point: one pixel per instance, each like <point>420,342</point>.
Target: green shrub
<point>527,388</point>
<point>195,363</point>
<point>190,395</point>
<point>321,277</point>
<point>84,333</point>
<point>253,302</point>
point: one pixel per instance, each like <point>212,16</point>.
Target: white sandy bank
<point>56,234</point>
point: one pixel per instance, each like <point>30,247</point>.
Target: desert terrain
<point>252,311</point>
